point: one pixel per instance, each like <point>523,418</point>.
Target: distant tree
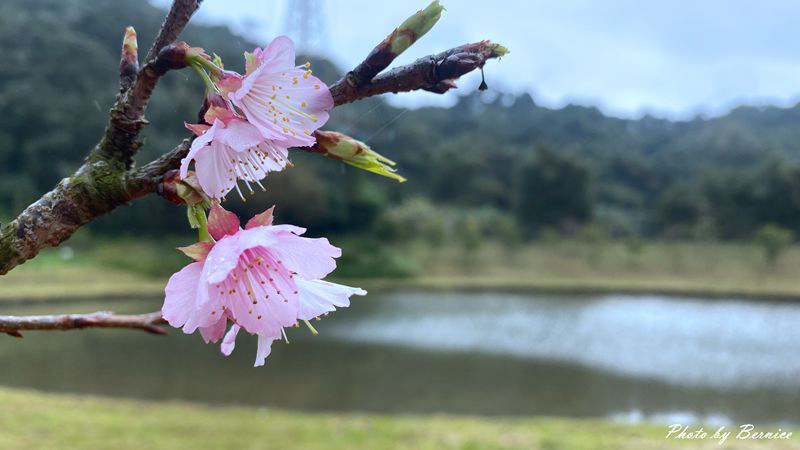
<point>506,229</point>
<point>773,240</point>
<point>740,201</point>
<point>551,189</point>
<point>678,211</point>
<point>634,246</point>
<point>470,235</point>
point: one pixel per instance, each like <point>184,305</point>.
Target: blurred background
<point>605,237</point>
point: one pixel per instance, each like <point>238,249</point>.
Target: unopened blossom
<point>260,279</point>
<point>229,150</point>
<point>285,102</point>
<point>354,152</point>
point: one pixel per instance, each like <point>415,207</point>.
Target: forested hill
<point>539,167</point>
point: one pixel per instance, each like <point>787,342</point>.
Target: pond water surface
<point>628,358</point>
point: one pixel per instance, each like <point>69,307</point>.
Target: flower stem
<point>203,76</point>
<point>203,62</point>
<point>198,219</point>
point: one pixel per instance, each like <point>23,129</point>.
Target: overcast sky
<point>673,58</point>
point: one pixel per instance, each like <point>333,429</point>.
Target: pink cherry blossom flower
<point>285,102</point>
<point>229,150</point>
<point>261,278</point>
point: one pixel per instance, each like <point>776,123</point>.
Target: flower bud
<point>129,57</point>
<point>182,191</point>
<point>396,43</point>
<point>498,50</point>
<point>354,152</point>
<point>415,27</point>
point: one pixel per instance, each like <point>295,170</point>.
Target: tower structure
<point>304,22</point>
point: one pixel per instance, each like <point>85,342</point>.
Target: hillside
<point>491,158</point>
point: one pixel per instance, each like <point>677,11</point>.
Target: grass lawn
<point>32,420</point>
<point>708,269</point>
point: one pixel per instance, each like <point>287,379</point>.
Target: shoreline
<point>152,290</point>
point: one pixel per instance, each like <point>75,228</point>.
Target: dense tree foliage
<point>490,156</point>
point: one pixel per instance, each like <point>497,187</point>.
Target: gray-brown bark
<point>15,325</point>
<point>434,73</point>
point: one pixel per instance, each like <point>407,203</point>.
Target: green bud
<point>251,62</point>
<point>354,152</point>
<point>415,27</point>
<point>498,50</point>
<point>217,60</point>
<point>189,190</point>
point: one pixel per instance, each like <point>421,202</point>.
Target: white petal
<point>318,297</point>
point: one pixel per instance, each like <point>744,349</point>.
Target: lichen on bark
<point>95,189</point>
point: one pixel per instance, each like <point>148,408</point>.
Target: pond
<point>629,358</point>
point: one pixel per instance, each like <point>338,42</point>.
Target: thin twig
<point>435,73</point>
<point>403,37</point>
<point>14,325</point>
<point>179,15</point>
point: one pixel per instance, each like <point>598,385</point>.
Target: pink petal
<point>229,342</point>
<point>230,82</point>
<point>286,228</point>
<point>279,54</point>
<point>197,128</point>
<point>215,168</point>
<point>214,332</point>
<point>222,223</point>
<point>224,257</point>
<point>198,145</point>
<point>318,297</point>
<point>239,135</point>
<point>180,295</point>
<point>221,113</point>
<point>311,259</point>
<point>266,298</point>
<point>287,106</point>
<point>260,220</point>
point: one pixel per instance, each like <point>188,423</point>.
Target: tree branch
<point>102,183</point>
<point>176,20</point>
<point>435,73</point>
<point>14,325</point>
<point>95,189</point>
<point>121,139</point>
<point>145,180</point>
<point>396,43</point>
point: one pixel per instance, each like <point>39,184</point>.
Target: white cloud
<point>673,58</point>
